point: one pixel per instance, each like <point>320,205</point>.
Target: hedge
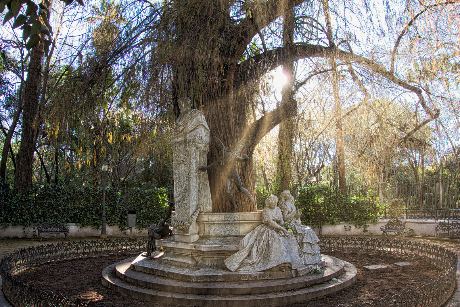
<point>321,204</point>
<point>82,205</point>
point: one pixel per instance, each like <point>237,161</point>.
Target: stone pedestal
<point>219,235</point>
<point>162,283</point>
<point>191,186</point>
<point>194,273</point>
<point>228,224</point>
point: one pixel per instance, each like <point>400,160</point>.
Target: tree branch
<point>259,15</point>
<point>256,66</point>
<point>262,63</point>
<point>258,129</point>
<point>406,29</point>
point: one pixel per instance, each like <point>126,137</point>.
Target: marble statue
<point>268,245</point>
<point>191,186</point>
<point>306,237</point>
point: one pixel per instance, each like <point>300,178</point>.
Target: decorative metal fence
<point>433,292</point>
<point>24,294</point>
<point>434,214</point>
<point>427,214</point>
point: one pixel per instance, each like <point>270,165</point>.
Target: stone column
<point>191,187</point>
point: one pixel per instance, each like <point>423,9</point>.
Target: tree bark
<point>339,141</point>
<point>25,158</point>
<point>7,145</point>
<point>287,126</point>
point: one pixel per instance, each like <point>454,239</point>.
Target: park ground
<point>8,246</point>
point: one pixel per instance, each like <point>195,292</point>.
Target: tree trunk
<point>7,145</point>
<point>30,105</point>
<point>206,66</point>
<point>422,177</point>
<point>43,166</point>
<point>25,158</point>
<point>339,141</point>
<point>203,72</point>
<point>56,163</point>
<point>381,183</point>
<point>287,126</point>
<point>231,175</point>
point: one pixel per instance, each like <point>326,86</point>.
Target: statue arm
<point>268,220</point>
<point>290,215</point>
<point>288,212</point>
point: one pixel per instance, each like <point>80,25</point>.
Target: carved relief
<point>191,186</point>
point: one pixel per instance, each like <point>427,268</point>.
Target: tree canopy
<point>97,83</point>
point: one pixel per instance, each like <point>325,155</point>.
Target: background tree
<point>217,54</point>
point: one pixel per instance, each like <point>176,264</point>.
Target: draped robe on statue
<point>264,247</point>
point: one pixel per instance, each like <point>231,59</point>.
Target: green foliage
<point>34,19</point>
<point>82,205</point>
<point>262,193</point>
<point>320,204</point>
<point>361,210</point>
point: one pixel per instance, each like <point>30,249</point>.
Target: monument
<point>191,187</point>
<point>227,259</point>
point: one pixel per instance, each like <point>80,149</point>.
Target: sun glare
<point>280,79</point>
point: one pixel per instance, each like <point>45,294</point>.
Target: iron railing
<point>433,292</point>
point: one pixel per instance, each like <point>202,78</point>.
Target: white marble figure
<point>191,186</point>
<point>306,237</point>
<point>268,245</point>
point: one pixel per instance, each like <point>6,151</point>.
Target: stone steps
<point>171,271</point>
<point>169,291</point>
<point>123,271</point>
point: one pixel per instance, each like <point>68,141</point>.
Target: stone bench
<point>52,228</point>
<point>449,228</point>
<point>395,226</point>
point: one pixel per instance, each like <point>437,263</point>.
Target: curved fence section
<point>433,292</point>
<point>24,294</point>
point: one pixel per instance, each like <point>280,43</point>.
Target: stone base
<point>206,252</point>
<point>228,224</point>
<point>193,273</point>
<point>186,238</point>
<point>219,237</point>
<point>161,282</point>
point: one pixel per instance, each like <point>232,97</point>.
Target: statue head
<point>286,195</point>
<point>271,201</point>
<point>185,104</point>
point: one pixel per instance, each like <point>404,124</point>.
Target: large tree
<point>211,68</point>
<point>30,105</point>
<point>204,47</point>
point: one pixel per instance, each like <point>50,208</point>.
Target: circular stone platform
<point>162,282</point>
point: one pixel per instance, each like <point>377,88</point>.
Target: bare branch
<point>259,15</point>
<point>256,66</point>
<point>267,122</point>
<point>408,25</point>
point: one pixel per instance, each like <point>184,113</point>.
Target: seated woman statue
<point>306,237</point>
<point>268,245</point>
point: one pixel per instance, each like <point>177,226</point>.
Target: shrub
<point>82,205</point>
<point>321,204</point>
